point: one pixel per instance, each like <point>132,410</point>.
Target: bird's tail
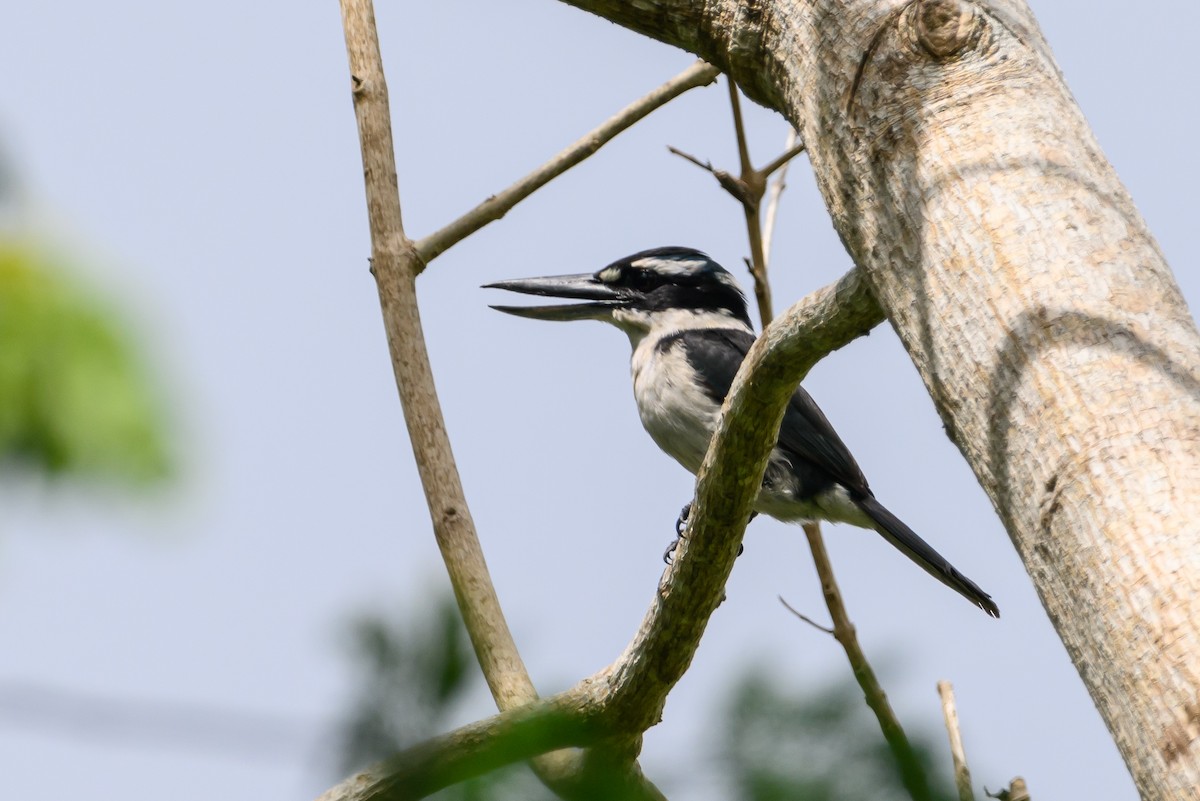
<point>916,549</point>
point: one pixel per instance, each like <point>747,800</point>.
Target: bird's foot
<point>681,532</point>
<point>669,554</point>
<point>681,522</point>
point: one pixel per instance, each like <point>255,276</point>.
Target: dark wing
<point>806,433</point>
<point>717,353</point>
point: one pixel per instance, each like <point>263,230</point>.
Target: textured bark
<point>395,263</point>
<point>1033,300</point>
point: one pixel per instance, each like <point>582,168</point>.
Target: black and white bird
<point>686,319</point>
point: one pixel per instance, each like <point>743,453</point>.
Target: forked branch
<point>616,706</point>
<point>751,190</point>
<point>396,262</point>
<point>499,204</point>
<point>609,711</point>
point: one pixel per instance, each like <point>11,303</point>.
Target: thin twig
<point>755,182</point>
<point>499,204</point>
<point>704,165</point>
<point>739,129</point>
<point>396,262</point>
<point>748,188</point>
<point>775,193</point>
<point>805,617</point>
<point>729,182</point>
<point>962,773</point>
<point>911,772</point>
<point>794,148</point>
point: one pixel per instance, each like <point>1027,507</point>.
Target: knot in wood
<point>944,27</point>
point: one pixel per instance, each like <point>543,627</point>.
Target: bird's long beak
<point>583,286</point>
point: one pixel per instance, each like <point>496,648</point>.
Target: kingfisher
<point>687,322</point>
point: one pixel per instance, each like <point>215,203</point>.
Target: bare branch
<point>962,773</point>
<point>727,486</point>
<point>804,617</point>
<point>496,206</point>
<point>704,165</point>
<point>911,772</point>
<point>614,707</point>
<point>396,263</point>
<point>793,148</point>
<point>729,182</point>
<point>755,183</point>
<point>774,193</point>
<point>749,188</point>
<point>739,129</point>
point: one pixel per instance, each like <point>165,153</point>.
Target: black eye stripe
<point>636,277</point>
<point>645,279</point>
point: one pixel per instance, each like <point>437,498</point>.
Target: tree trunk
<point>1033,300</point>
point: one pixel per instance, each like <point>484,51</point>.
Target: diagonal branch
<point>756,184</point>
<point>911,771</point>
<point>749,187</point>
<point>499,204</point>
<point>472,750</point>
<point>614,707</point>
<point>727,486</point>
<point>396,262</point>
<point>793,148</point>
<point>629,696</point>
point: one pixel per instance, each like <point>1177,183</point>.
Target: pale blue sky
<point>201,160</point>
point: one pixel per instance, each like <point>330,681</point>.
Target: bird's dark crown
<point>677,278</point>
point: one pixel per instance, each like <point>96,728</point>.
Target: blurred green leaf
<point>823,745</point>
<point>415,675</point>
<point>73,395</point>
<point>771,743</point>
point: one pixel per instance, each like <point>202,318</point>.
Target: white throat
<point>646,328</point>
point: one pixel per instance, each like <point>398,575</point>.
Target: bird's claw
<point>681,522</point>
<point>681,532</point>
<point>669,554</point>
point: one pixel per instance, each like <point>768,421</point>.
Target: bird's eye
<point>643,280</point>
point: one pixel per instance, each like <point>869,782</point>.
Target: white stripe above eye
<point>669,266</point>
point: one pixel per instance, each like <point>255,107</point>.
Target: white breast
<point>675,410</point>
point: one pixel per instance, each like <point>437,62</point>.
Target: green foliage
<point>73,397</point>
<point>415,676</point>
<point>819,745</point>
<point>823,745</point>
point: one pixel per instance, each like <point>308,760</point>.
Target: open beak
<point>583,286</point>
